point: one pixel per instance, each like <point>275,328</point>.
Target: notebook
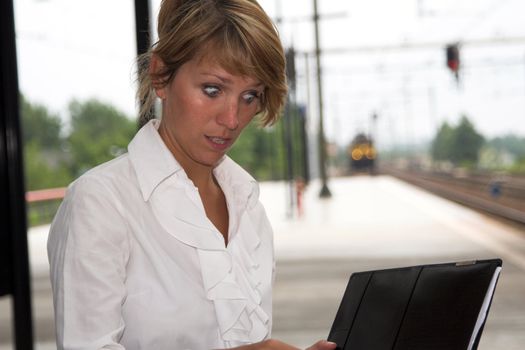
<point>426,307</point>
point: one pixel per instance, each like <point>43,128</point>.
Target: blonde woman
<point>168,246</point>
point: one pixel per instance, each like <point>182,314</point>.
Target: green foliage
<point>43,168</point>
<point>512,144</point>
<point>99,133</point>
<point>267,154</point>
<point>39,126</point>
<point>467,143</point>
<point>44,161</point>
<point>259,151</point>
<point>460,145</point>
<point>505,153</point>
<point>518,167</point>
<point>41,213</point>
<point>442,143</point>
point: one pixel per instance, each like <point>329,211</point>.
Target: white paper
<point>484,308</point>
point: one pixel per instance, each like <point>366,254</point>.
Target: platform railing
<point>42,205</point>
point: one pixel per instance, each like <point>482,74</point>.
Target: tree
<point>99,132</point>
<point>44,168</point>
<point>442,143</point>
<point>460,145</point>
<point>264,152</point>
<point>513,144</point>
<point>39,126</point>
<point>259,151</point>
<point>467,143</point>
<point>44,158</point>
<point>504,153</point>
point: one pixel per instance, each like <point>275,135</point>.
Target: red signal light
<point>453,61</point>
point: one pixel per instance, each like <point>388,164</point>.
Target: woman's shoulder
<point>116,167</point>
<point>92,213</point>
<point>108,181</point>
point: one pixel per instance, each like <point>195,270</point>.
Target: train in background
<point>362,154</point>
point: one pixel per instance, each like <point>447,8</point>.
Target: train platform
<point>368,223</point>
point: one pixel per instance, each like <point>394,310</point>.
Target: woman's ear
<point>156,67</point>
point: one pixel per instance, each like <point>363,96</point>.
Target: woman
<point>168,246</point>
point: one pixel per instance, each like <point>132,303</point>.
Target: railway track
<point>503,196</point>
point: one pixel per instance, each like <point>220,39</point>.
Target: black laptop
<point>427,307</point>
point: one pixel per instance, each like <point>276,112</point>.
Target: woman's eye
<point>249,97</point>
<point>211,91</point>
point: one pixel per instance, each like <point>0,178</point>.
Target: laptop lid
<point>426,307</point>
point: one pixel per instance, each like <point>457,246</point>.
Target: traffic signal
<point>453,62</point>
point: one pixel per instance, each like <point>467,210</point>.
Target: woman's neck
<point>202,177</point>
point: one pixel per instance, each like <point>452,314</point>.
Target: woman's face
<point>204,110</point>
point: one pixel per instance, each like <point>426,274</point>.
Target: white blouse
<point>136,264</point>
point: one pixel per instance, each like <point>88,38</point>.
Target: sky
<point>379,57</point>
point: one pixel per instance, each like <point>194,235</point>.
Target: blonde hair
<point>237,34</point>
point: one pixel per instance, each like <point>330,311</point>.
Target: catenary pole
<point>325,191</point>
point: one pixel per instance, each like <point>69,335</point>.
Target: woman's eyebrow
<point>228,81</point>
<point>224,80</point>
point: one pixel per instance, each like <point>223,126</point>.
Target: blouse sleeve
<point>88,249</point>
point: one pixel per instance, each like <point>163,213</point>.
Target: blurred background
<point>433,84</point>
<point>402,142</point>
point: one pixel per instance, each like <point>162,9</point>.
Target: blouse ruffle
<point>230,276</point>
<point>232,281</point>
<point>238,308</point>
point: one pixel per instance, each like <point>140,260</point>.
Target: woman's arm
<point>272,344</point>
<point>88,249</point>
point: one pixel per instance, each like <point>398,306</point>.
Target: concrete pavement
<point>380,222</point>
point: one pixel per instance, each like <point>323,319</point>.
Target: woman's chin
<point>212,160</point>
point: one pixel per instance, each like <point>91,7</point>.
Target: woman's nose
<point>229,116</point>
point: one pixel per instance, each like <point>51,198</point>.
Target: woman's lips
<point>219,143</point>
